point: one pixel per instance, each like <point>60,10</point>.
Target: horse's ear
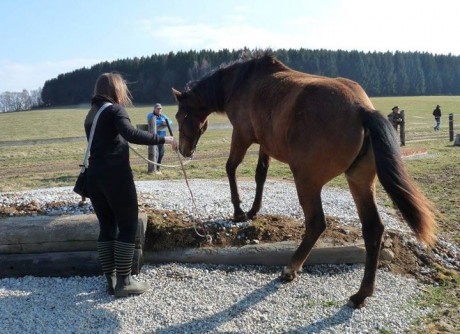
<point>176,94</point>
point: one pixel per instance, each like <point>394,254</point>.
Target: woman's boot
<point>111,283</point>
<point>107,261</point>
<point>126,285</point>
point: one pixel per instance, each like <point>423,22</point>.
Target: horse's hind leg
<point>361,181</point>
<point>261,175</point>
<point>315,224</point>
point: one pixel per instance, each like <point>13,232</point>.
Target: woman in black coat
<point>111,184</point>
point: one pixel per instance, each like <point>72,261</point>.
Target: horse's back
<point>312,119</point>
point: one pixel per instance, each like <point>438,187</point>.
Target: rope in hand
<point>156,163</point>
<point>206,235</point>
<point>195,208</point>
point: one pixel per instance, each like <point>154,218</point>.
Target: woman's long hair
<point>113,87</point>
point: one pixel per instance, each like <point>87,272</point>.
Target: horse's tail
<point>416,209</point>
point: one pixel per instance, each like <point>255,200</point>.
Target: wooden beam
<point>41,234</point>
<point>58,264</point>
<point>276,254</point>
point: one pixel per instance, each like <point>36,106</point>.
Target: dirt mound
<point>167,230</point>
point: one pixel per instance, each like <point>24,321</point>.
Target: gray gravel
<point>212,198</point>
<point>187,298</point>
<point>210,299</point>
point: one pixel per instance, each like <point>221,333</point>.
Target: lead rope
<point>195,208</point>
<point>200,221</point>
<point>206,235</point>
<point>156,163</point>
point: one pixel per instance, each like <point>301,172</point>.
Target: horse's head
<point>192,120</point>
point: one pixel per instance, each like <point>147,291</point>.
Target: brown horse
<point>322,127</point>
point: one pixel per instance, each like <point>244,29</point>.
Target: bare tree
<point>6,101</point>
<point>36,96</point>
<point>25,100</point>
<point>13,101</point>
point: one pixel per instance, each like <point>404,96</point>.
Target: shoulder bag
<point>81,187</point>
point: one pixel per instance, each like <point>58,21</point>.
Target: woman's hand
<point>171,141</point>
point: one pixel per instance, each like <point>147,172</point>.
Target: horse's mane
<point>246,59</point>
<point>209,85</point>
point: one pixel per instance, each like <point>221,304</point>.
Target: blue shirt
<point>161,129</point>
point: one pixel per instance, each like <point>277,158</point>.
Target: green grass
<point>418,112</point>
<point>386,331</point>
<point>443,301</point>
<point>67,122</point>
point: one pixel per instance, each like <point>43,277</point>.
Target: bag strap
<point>91,135</point>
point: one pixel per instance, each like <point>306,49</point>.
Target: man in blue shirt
<point>161,126</point>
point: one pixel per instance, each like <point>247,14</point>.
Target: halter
<point>189,138</point>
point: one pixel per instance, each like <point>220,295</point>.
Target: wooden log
<point>152,150</point>
<point>58,264</point>
<point>276,254</point>
<point>42,234</point>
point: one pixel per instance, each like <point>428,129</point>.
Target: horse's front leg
<point>237,153</point>
<point>261,175</point>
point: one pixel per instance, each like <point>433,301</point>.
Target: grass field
<point>68,122</point>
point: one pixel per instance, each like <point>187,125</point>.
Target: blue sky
<point>40,39</point>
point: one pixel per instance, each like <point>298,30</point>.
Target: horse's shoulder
<point>346,81</point>
<point>305,77</point>
<point>318,80</point>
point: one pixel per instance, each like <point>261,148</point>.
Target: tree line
<point>380,73</point>
<point>16,101</point>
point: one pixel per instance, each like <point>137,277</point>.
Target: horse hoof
<point>354,303</point>
<point>251,214</point>
<point>288,275</point>
<point>240,217</point>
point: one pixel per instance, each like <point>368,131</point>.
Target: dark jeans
<point>161,153</point>
<point>114,199</point>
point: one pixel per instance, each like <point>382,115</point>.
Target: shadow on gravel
<point>206,324</point>
<point>64,306</point>
<point>342,316</point>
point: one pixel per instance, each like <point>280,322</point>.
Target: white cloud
<point>17,76</point>
<point>202,36</point>
<point>390,25</point>
<point>236,18</point>
<point>349,25</point>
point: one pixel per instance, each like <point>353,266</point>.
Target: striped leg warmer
<point>106,256</point>
<point>124,253</point>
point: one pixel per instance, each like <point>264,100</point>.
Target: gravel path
<point>189,298</point>
<point>212,198</point>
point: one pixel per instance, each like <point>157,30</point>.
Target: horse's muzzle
<point>186,152</point>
